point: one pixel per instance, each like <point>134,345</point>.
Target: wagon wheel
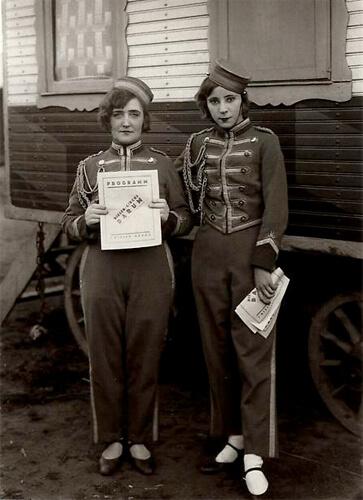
<point>335,358</point>
<point>72,298</point>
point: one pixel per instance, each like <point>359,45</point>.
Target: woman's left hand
<point>265,287</point>
<point>163,206</point>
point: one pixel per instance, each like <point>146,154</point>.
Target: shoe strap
<point>235,449</point>
<point>259,468</point>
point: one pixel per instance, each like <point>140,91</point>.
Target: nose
<point>222,107</point>
<point>125,120</point>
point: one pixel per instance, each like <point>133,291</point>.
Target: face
<point>225,107</point>
<point>126,123</point>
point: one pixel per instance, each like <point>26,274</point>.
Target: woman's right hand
<point>265,287</point>
<point>93,214</point>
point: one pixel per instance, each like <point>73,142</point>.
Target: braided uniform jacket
<point>245,183</point>
<point>116,158</point>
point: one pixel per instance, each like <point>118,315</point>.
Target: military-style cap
<point>229,75</point>
<point>137,87</point>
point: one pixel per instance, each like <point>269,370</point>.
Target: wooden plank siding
<point>321,141</point>
<point>167,42</point>
<point>168,45</point>
<point>354,45</point>
<point>168,48</point>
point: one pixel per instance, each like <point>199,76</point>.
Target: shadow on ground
<point>46,450</point>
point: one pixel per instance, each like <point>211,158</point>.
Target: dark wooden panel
<point>321,141</point>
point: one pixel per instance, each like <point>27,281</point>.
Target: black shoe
<point>109,466</point>
<point>145,466</point>
<point>213,467</point>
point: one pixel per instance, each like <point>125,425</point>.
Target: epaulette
<point>264,129</point>
<point>158,151</point>
<point>204,131</point>
<point>92,156</point>
<point>209,129</point>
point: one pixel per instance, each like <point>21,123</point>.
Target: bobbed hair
<point>118,98</point>
<point>206,88</point>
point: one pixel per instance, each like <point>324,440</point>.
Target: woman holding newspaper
<point>126,292</point>
<point>235,179</point>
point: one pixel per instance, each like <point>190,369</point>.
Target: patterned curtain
<point>83,39</point>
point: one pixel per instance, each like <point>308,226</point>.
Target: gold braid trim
<point>201,178</point>
<point>81,177</point>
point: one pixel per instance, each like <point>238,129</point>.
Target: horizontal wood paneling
<point>161,36</point>
<point>354,45</point>
<point>321,141</point>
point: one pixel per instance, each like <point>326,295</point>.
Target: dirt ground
<point>46,450</point>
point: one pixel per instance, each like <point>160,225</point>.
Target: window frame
<point>337,86</point>
<point>83,93</point>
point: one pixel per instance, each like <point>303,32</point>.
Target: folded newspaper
<point>257,315</point>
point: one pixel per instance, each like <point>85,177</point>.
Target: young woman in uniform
<point>235,179</point>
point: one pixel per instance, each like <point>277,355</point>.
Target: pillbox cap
<point>137,87</point>
<point>229,75</point>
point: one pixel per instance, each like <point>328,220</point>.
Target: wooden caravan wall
<point>321,140</point>
<point>167,47</point>
<point>167,43</point>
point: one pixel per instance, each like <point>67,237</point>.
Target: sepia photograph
<point>181,249</point>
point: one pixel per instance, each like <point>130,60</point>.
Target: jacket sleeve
<point>275,201</point>
<point>180,221</point>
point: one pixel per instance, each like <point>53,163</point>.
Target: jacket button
<point>241,203</point>
<point>241,188</point>
<point>244,218</point>
<point>243,170</point>
<point>212,217</point>
<point>214,203</point>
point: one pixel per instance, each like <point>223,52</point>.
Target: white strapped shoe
<point>256,481</point>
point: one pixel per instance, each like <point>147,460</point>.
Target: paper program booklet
<point>257,315</point>
<point>130,223</point>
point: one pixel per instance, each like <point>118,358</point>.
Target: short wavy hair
<point>118,98</point>
<point>206,88</point>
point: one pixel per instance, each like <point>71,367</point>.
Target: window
<point>82,46</point>
<point>295,49</point>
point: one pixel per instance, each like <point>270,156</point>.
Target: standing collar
<point>125,150</point>
<point>236,129</point>
<point>241,126</point>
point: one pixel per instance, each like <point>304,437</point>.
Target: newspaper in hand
<point>257,315</point>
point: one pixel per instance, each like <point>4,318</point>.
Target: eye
<point>231,99</point>
<point>136,114</point>
<point>116,114</point>
<point>213,101</point>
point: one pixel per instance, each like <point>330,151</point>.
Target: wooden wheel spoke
<point>342,344</point>
<point>349,326</point>
<point>338,390</point>
<point>331,362</point>
<point>335,355</point>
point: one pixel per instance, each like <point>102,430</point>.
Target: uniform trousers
<point>241,364</point>
<point>126,298</point>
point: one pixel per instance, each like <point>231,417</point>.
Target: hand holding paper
<point>129,222</point>
<point>257,315</point>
